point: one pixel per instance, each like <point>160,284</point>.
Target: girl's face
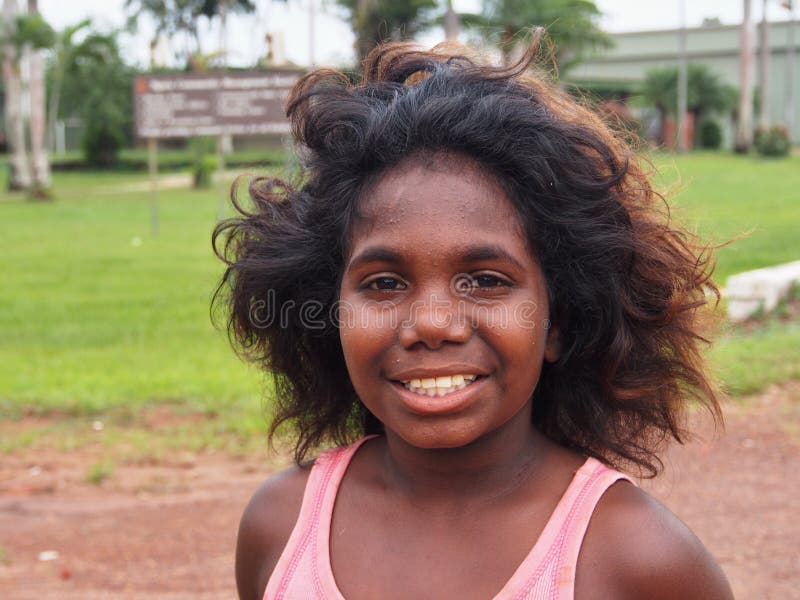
<point>443,318</point>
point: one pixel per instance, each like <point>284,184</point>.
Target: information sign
<point>182,105</point>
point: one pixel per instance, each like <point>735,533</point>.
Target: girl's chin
<point>436,438</point>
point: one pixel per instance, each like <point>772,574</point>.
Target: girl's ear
<point>552,348</point>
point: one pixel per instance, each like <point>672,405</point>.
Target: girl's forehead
<point>438,204</point>
<point>430,184</point>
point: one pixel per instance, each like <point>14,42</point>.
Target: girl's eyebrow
<point>374,254</point>
<point>469,254</point>
<point>490,252</point>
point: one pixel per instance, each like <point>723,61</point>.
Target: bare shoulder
<point>636,548</point>
<point>265,528</point>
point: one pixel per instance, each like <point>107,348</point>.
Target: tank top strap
<point>548,572</point>
<point>307,550</point>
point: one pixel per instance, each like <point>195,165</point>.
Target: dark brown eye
<point>488,281</point>
<point>384,284</point>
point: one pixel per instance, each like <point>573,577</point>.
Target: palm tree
<point>376,21</point>
<point>169,16</point>
<point>571,25</point>
<point>706,93</point>
<point>221,9</point>
<point>452,24</point>
<point>95,47</point>
<point>20,174</point>
<point>744,129</point>
<point>43,38</point>
<point>182,16</point>
<point>21,34</point>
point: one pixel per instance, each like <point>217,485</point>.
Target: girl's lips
<point>440,405</point>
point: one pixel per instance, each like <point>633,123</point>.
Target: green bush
<point>204,162</point>
<point>203,171</point>
<point>710,135</point>
<point>102,140</point>
<point>773,142</point>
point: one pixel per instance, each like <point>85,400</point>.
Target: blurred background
<point>121,403</point>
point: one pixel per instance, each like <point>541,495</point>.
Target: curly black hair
<point>626,285</point>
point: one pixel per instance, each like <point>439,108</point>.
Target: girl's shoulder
<point>638,548</point>
<point>265,528</point>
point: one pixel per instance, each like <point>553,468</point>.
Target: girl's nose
<point>434,321</point>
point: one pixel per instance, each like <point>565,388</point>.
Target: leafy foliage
<point>204,162</point>
<point>773,142</point>
<point>212,8</point>
<point>376,21</point>
<point>572,25</point>
<point>182,16</point>
<point>97,87</point>
<point>34,32</point>
<point>710,134</point>
<point>706,93</point>
<point>68,56</point>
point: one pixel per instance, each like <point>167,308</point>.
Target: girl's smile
<point>447,305</point>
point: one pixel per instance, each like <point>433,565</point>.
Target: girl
<point>473,296</point>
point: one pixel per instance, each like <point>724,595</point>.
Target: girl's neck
<point>490,467</point>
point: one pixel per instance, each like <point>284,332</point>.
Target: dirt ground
<point>167,531</point>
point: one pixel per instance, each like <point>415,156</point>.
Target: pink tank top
<point>304,570</point>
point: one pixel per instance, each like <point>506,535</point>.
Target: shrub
<point>203,169</point>
<point>101,143</point>
<point>710,135</point>
<point>204,162</point>
<point>773,142</point>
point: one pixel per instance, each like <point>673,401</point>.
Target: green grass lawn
<point>99,314</point>
<point>725,196</point>
<point>93,322</point>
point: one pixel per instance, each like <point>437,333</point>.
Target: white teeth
<point>439,386</point>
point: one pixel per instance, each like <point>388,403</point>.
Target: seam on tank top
<point>557,547</point>
<point>312,530</point>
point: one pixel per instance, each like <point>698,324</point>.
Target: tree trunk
<point>744,130</point>
<point>52,106</point>
<point>451,22</point>
<point>763,71</point>
<point>39,157</point>
<point>19,175</point>
<point>789,105</point>
<point>507,44</point>
<point>361,19</point>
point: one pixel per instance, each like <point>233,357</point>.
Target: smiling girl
<point>486,315</point>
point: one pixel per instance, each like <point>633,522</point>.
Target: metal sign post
<point>220,179</point>
<point>152,162</point>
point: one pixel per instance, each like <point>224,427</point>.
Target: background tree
<point>36,36</point>
<point>19,168</point>
<point>97,88</point>
<point>172,17</point>
<point>451,22</point>
<point>376,21</point>
<point>706,93</point>
<point>21,34</point>
<point>65,51</point>
<point>744,125</point>
<point>572,25</point>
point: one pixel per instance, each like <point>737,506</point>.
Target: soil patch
<point>168,530</point>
